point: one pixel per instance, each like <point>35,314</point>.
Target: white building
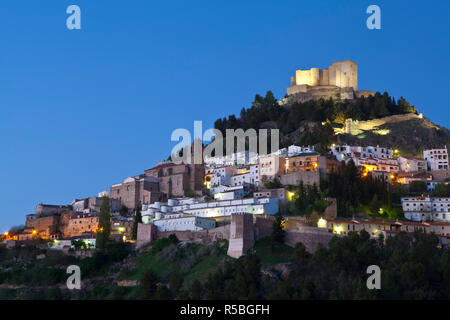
<point>230,193</point>
<point>426,209</point>
<point>343,152</point>
<point>409,164</point>
<point>182,222</point>
<point>246,176</point>
<point>378,164</point>
<point>220,176</point>
<point>210,209</point>
<point>239,158</point>
<point>437,159</point>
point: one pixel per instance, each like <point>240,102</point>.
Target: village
<point>236,197</point>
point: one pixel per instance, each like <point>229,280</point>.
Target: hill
<point>381,120</point>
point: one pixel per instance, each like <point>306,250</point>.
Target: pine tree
<point>196,292</point>
<point>148,285</point>
<point>104,224</point>
<point>277,230</point>
<point>137,220</point>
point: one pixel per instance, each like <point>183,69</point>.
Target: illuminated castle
<point>339,81</point>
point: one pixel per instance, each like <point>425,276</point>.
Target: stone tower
<point>242,236</point>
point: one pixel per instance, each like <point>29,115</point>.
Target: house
<point>437,159</point>
<point>410,164</point>
<point>135,191</point>
<point>426,208</point>
<point>307,161</point>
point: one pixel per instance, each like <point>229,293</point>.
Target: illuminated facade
<point>426,208</point>
<point>437,159</point>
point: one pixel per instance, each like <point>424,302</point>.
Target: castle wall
<point>310,237</point>
<point>307,177</point>
<point>342,74</point>
<point>146,233</point>
<point>241,235</point>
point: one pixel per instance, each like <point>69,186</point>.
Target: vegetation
<point>104,224</point>
<point>356,193</point>
<point>137,220</point>
<point>413,266</point>
<point>312,123</point>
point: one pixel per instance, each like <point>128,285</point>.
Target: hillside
<point>382,120</point>
<point>168,269</point>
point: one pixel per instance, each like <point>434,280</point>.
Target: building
<point>386,228</point>
<point>270,167</point>
<point>242,237</point>
<point>209,209</point>
<point>437,159</point>
<point>122,227</point>
<point>408,177</point>
<point>45,227</point>
<point>338,81</point>
<point>183,222</point>
<point>219,176</point>
<point>344,152</point>
<point>50,209</point>
<point>377,164</point>
<point>231,193</point>
<point>426,208</point>
<point>410,164</point>
<point>81,223</point>
<point>244,158</point>
<point>93,204</point>
<point>248,175</point>
<point>135,191</point>
<point>176,179</point>
<point>308,161</point>
<point>279,193</point>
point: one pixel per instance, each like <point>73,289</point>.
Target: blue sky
<point>83,109</point>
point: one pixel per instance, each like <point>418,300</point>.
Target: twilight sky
<point>83,109</point>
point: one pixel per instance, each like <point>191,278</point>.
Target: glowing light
<point>338,229</point>
<point>382,132</point>
<point>121,229</point>
<point>6,233</point>
<point>291,195</point>
<point>34,232</point>
<point>322,223</point>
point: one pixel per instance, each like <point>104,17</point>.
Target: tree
<point>175,284</point>
<point>418,186</point>
<point>196,292</point>
<point>123,210</point>
<point>162,293</point>
<point>137,220</point>
<point>277,230</point>
<point>148,285</point>
<point>104,224</point>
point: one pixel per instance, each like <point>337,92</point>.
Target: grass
<point>269,257</point>
<point>164,267</point>
<point>202,269</point>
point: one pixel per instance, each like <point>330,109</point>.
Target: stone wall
<point>310,237</point>
<point>440,174</point>
<point>146,233</point>
<point>294,178</point>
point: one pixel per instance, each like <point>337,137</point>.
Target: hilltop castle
<point>339,82</point>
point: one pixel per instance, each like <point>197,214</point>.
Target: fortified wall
<point>338,82</point>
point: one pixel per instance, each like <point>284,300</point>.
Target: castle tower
<point>242,236</point>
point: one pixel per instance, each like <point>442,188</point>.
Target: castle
<point>339,82</point>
